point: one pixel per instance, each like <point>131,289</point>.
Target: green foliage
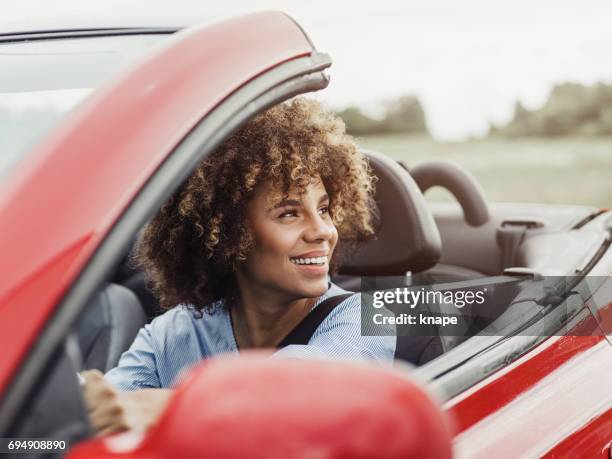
<point>402,116</point>
<point>571,109</point>
<point>357,123</point>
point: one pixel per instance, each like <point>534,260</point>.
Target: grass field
<point>564,171</point>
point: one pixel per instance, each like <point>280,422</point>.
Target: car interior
<point>470,242</point>
<point>446,245</point>
<point>417,243</point>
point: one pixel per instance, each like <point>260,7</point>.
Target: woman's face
<point>294,242</point>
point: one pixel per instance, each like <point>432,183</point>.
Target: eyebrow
<point>296,203</point>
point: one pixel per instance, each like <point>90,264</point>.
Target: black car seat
<point>132,277</point>
<point>407,242</point>
<point>108,326</point>
<point>407,238</point>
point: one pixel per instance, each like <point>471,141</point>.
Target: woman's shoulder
<point>343,332</point>
<point>183,317</point>
<point>348,307</point>
<point>203,333</point>
<point>177,313</point>
<point>350,299</point>
<point>351,310</point>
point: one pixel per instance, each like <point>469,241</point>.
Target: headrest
<point>108,326</point>
<point>407,238</point>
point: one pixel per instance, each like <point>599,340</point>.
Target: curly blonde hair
<point>190,250</point>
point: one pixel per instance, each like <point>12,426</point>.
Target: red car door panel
<point>58,205</point>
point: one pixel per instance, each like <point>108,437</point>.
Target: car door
<point>69,214</point>
<point>543,389</point>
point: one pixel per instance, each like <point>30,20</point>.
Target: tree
<point>571,109</point>
<point>404,115</point>
<point>358,123</point>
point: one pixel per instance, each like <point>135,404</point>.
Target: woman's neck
<point>263,319</point>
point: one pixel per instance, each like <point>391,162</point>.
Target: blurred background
<point>518,92</point>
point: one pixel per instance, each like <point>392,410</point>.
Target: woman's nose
<point>319,228</point>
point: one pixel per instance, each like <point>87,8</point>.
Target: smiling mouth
<point>313,261</point>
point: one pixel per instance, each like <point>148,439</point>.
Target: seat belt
<point>510,235</point>
<point>303,331</point>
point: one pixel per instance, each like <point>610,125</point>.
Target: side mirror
<point>261,407</point>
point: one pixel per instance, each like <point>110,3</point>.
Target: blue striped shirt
<point>177,340</point>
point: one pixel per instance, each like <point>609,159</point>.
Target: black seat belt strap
<point>302,333</point>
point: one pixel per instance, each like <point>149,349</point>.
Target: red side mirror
<point>260,407</point>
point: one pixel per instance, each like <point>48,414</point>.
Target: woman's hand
<point>111,410</point>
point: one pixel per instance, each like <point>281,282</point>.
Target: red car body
<point>57,208</point>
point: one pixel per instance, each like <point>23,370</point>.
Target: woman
<point>245,248</point>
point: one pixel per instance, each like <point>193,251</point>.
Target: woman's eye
<point>324,210</point>
<point>288,213</point>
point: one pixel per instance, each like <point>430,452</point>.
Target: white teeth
<point>309,261</point>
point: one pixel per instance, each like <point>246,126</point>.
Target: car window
<point>42,80</point>
<point>56,411</point>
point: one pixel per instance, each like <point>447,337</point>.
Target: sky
<point>468,62</point>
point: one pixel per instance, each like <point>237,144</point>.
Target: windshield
<point>42,80</point>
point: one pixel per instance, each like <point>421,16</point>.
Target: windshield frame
<point>42,92</point>
<point>16,37</point>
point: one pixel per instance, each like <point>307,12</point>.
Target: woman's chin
<point>313,288</point>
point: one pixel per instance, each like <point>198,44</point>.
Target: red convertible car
<point>530,377</point>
